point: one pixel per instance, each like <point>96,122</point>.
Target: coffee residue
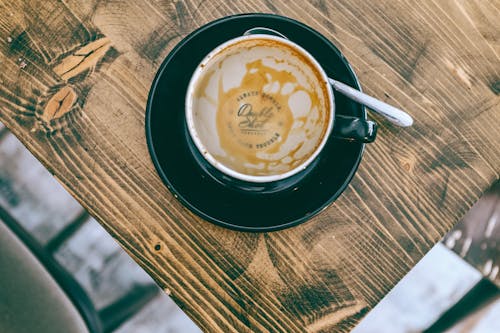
<point>254,120</point>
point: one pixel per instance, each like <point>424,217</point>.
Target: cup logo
<point>254,121</point>
<point>255,117</point>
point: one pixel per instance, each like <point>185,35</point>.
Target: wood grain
<point>439,60</point>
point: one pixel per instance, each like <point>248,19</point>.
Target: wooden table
<point>75,77</point>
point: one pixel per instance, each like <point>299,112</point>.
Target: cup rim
<point>204,151</point>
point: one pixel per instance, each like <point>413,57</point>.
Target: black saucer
<point>248,211</point>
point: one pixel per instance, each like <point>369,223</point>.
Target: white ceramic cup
<point>259,108</point>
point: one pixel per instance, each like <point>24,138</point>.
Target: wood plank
<point>436,59</point>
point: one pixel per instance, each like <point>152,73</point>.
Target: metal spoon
<point>391,113</point>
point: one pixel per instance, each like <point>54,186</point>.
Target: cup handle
<point>354,129</point>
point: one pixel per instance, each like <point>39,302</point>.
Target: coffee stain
<point>254,119</point>
<point>245,128</point>
<point>267,112</point>
<point>201,91</point>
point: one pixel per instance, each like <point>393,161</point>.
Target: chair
<point>38,295</point>
<point>478,236</point>
<point>479,296</point>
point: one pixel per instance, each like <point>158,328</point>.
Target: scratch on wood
<point>182,15</point>
<point>157,41</point>
<point>444,191</point>
<point>459,72</point>
<point>335,317</point>
<point>403,51</point>
<point>455,155</point>
<point>408,75</point>
<point>322,6</point>
<point>198,7</point>
<point>271,6</point>
<point>82,59</point>
<point>407,162</point>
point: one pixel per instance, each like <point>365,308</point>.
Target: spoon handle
<point>393,114</point>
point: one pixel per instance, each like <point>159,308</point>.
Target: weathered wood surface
<point>75,77</point>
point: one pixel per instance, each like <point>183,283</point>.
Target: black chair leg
<point>483,293</point>
<point>71,287</point>
<point>3,132</point>
<point>55,243</point>
<point>117,313</point>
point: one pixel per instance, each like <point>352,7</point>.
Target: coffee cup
<point>260,109</point>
